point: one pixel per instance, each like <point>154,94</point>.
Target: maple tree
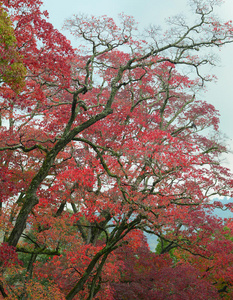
<point>148,275</point>
<point>105,142</point>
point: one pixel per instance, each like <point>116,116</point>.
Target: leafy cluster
<point>104,144</point>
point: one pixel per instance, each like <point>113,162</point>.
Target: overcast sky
<point>148,12</point>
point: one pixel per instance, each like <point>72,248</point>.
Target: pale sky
<point>148,12</point>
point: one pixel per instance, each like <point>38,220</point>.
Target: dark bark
<point>4,294</point>
<point>30,199</point>
<point>116,235</point>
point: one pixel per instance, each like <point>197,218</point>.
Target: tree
<point>100,144</point>
<point>11,66</point>
<point>146,275</point>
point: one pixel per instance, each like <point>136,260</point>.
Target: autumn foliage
<point>103,144</point>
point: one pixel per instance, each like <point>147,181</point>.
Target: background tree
<point>11,66</point>
<point>104,142</point>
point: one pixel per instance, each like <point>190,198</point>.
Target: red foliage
<point>104,143</point>
<point>8,256</point>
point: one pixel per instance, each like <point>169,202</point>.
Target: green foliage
<point>12,70</point>
<point>161,248</point>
